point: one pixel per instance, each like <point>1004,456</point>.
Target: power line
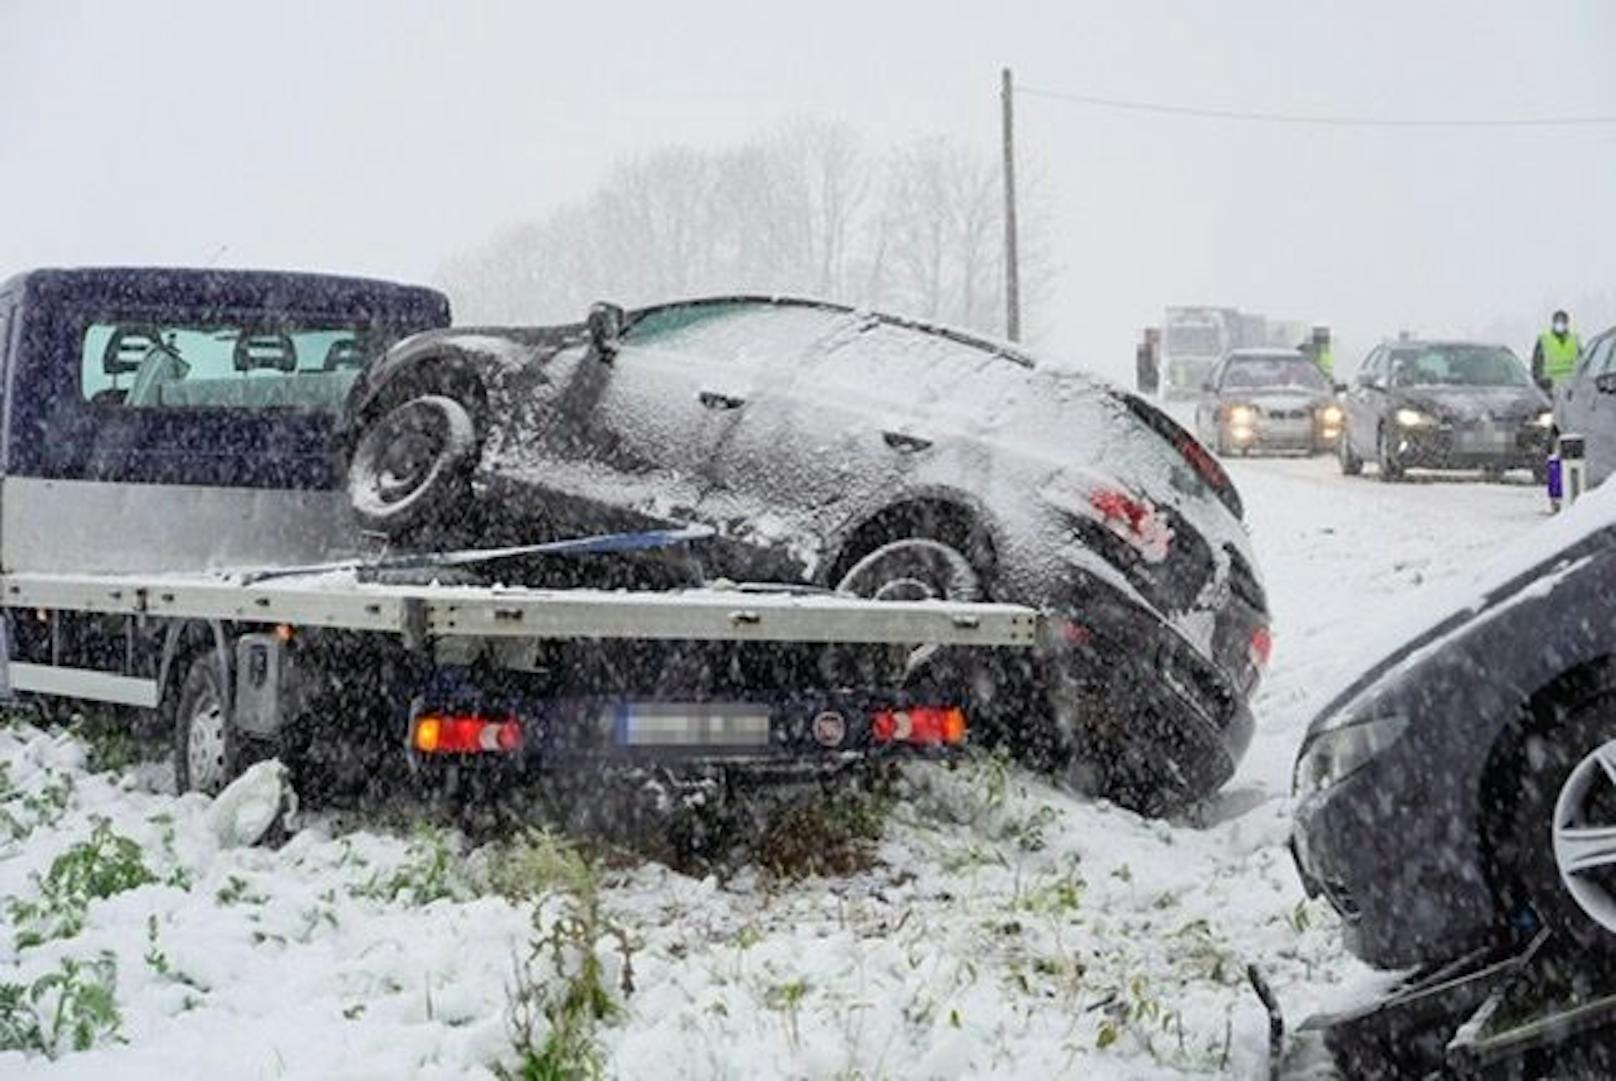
<point>1202,113</point>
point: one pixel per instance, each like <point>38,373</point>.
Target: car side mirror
<point>605,325</point>
<point>1605,383</point>
<point>1339,388</point>
<point>1546,385</point>
<point>1209,387</point>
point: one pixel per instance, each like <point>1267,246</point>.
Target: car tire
<point>412,466</point>
<point>1390,469</point>
<point>1566,780</point>
<point>1351,464</point>
<point>914,568</point>
<point>207,748</point>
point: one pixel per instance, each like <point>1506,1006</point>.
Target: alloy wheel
<point>1585,835</point>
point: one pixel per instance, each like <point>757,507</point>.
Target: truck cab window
<point>147,365</point>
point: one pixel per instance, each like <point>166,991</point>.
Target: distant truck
<point>1193,339</point>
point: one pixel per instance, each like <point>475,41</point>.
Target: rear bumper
<point>1155,701</point>
<point>774,734</point>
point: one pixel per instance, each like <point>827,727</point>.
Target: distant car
<point>1267,399</point>
<point>1462,790</point>
<point>1445,405</point>
<point>1586,405</point>
<point>873,455</point>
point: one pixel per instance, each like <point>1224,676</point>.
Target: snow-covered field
<point>1005,929</point>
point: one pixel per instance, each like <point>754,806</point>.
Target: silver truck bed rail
<point>428,611</point>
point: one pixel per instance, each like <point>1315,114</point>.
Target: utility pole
<point>1012,267</point>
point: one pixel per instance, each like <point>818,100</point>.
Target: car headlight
<point>1330,414</point>
<point>1413,418</point>
<point>1332,755</point>
<point>1241,414</point>
<point>1545,419</point>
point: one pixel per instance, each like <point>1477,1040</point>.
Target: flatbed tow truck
<point>174,539</point>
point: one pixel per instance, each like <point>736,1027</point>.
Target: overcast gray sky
<point>382,137</point>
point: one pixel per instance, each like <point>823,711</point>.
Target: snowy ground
<point>1006,929</point>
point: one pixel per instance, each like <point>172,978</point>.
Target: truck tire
<point>207,748</point>
<point>412,465</point>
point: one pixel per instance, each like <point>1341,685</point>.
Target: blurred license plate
<point>702,724</point>
<point>1485,440</point>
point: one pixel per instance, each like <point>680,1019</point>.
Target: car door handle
<point>905,441</point>
<point>714,400</point>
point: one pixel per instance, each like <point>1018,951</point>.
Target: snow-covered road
<point>1005,930</point>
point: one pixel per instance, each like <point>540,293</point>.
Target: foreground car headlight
<point>1331,415</point>
<point>1240,414</point>
<point>1544,419</point>
<point>1414,418</point>
<point>1332,755</point>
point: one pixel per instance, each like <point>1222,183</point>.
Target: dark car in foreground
<point>1585,405</point>
<point>1267,399</point>
<point>869,454</point>
<point>1445,405</point>
<point>1462,789</point>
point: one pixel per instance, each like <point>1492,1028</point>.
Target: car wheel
<point>1559,847</point>
<point>412,465</point>
<point>1386,459</point>
<point>1351,464</point>
<point>913,569</point>
<point>206,745</point>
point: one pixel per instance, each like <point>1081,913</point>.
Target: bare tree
<point>802,210</point>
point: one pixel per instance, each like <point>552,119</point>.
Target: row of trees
<point>807,209</point>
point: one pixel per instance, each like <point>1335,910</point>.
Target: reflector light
<point>435,733</point>
<point>919,725</point>
<point>1262,647</point>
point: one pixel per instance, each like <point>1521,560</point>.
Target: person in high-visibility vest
<point>1555,355</point>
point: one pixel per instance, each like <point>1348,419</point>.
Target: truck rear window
<point>187,366</point>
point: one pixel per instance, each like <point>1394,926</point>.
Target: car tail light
<point>919,725</point>
<point>1134,520</point>
<point>464,733</point>
<point>1262,647</point>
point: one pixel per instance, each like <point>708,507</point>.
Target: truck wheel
<point>1560,848</point>
<point>413,465</point>
<point>1386,459</point>
<point>206,746</point>
<point>914,569</point>
<point>1351,464</point>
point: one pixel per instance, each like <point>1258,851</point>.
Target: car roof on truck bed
<point>220,288</point>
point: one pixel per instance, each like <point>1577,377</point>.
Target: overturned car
<point>865,453</point>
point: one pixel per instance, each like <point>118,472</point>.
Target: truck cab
<point>182,418</point>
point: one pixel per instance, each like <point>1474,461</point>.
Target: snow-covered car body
<point>1426,785</point>
<point>1267,399</point>
<point>812,435</point>
<point>1444,405</point>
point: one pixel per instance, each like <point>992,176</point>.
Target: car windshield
<point>1257,372</point>
<point>1458,366</point>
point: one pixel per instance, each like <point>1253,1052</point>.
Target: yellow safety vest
<point>1559,354</point>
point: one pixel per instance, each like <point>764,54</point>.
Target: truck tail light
<point>920,725</point>
<point>465,733</point>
